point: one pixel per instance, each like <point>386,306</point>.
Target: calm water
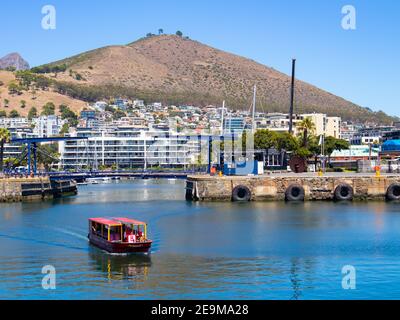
<point>201,250</point>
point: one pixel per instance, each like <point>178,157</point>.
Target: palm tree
<point>306,126</point>
<point>5,137</point>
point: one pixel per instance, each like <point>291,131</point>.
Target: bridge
<point>32,147</point>
<point>82,176</point>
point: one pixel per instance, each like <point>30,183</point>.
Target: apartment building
<point>128,148</point>
<point>329,126</point>
<point>334,127</point>
<point>47,126</point>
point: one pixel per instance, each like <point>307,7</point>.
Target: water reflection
<point>121,267</point>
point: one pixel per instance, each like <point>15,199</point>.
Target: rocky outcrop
<point>14,60</point>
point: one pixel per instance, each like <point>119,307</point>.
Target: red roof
<point>106,221</point>
<point>117,221</point>
<point>130,221</point>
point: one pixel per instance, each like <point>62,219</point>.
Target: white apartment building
<point>128,148</point>
<point>47,126</point>
<point>14,122</point>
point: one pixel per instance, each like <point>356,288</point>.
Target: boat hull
<point>118,247</point>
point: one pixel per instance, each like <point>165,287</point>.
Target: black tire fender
<point>295,192</point>
<point>344,192</point>
<point>393,192</point>
<point>241,194</point>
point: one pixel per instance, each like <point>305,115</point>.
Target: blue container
<point>391,145</point>
<point>241,169</point>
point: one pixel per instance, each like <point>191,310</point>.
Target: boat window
<point>96,228</point>
<point>115,233</point>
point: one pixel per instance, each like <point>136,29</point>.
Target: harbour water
<point>201,250</point>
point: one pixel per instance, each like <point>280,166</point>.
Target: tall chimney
<point>292,97</point>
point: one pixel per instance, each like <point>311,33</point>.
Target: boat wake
<point>48,243</point>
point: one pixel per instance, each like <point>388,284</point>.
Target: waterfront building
<point>128,148</point>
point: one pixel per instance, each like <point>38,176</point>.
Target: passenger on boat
<point>128,235</point>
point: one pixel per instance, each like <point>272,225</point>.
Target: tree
<point>23,104</point>
<point>3,114</point>
<point>6,102</point>
<point>14,114</point>
<point>64,129</point>
<point>331,144</point>
<point>179,33</point>
<point>14,88</point>
<point>32,113</point>
<point>48,109</point>
<point>68,114</point>
<point>47,155</point>
<point>307,127</point>
<point>160,31</point>
<point>118,114</point>
<point>5,137</point>
<point>264,139</point>
<point>286,141</point>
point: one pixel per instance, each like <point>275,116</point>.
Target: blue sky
<point>359,65</point>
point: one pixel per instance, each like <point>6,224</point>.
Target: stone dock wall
<point>275,187</point>
<point>30,189</point>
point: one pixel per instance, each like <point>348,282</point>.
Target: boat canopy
<point>130,221</point>
<point>117,221</point>
<point>106,221</point>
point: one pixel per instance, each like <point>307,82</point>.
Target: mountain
<point>13,60</point>
<point>175,69</point>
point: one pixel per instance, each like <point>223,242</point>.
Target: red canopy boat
<point>119,235</point>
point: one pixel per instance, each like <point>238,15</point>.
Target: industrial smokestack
<point>292,97</point>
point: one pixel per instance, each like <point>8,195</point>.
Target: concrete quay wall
<point>276,187</point>
<point>30,189</point>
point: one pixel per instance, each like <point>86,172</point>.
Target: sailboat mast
<point>222,117</point>
<point>253,124</point>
